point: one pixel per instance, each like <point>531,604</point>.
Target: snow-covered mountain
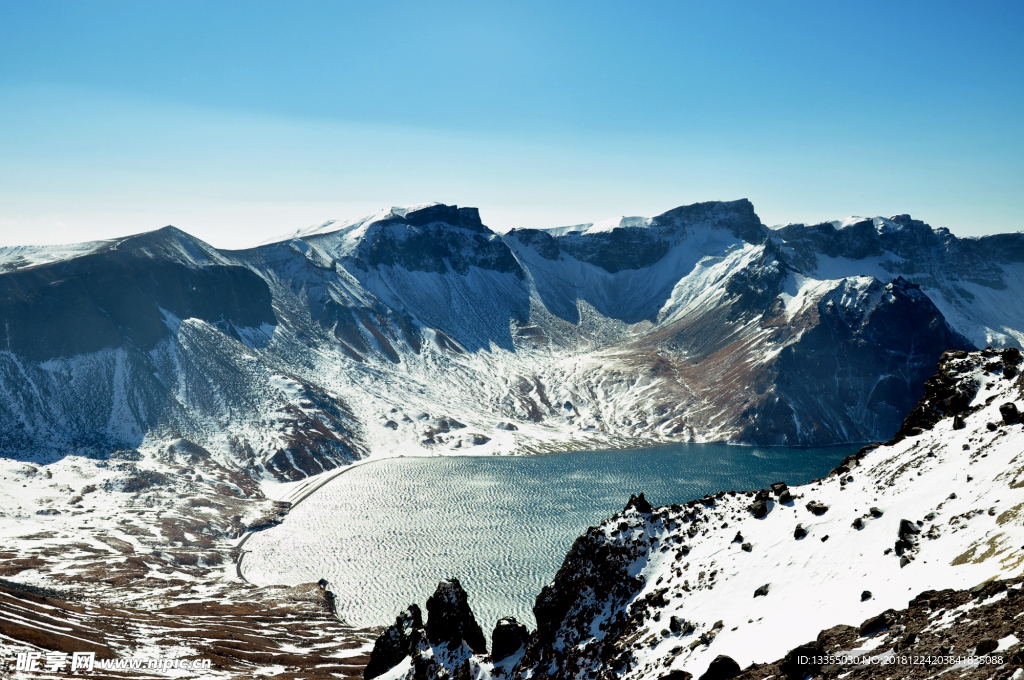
<point>421,330</point>
<point>911,548</point>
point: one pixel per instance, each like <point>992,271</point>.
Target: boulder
<point>762,591</point>
<point>759,508</point>
<point>858,524</point>
<point>738,538</point>
<point>676,624</point>
<point>677,675</point>
<point>450,621</point>
<point>908,530</point>
<point>800,661</point>
<point>722,668</point>
<point>785,496</point>
<point>508,637</point>
<point>876,623</point>
<point>799,532</point>
<point>958,422</point>
<point>779,487</point>
<point>985,647</point>
<point>746,547</point>
<point>865,596</point>
<point>875,512</point>
<point>817,508</point>
<point>1009,413</point>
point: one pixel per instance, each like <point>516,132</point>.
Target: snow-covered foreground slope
<point>753,575</point>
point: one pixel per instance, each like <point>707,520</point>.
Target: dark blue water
<point>385,533</point>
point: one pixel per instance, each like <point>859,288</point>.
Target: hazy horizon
<point>239,121</point>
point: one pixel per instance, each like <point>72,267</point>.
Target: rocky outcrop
<point>450,621</point>
<point>952,389</point>
<point>509,637</point>
<point>443,646</point>
<point>395,643</point>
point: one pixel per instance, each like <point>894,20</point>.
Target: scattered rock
<point>508,638</point>
<point>906,641</point>
<point>817,508</point>
<point>762,591</point>
<point>722,668</point>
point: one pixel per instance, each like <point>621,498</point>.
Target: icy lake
<point>385,533</point>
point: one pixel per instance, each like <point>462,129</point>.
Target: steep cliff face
<point>909,548</point>
<point>699,324</point>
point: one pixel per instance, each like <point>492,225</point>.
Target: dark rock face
<point>435,239</point>
<point>634,247</point>
<point>395,643</point>
<point>450,621</point>
<point>896,341</point>
<point>115,296</point>
<point>508,637</point>
<point>722,668</point>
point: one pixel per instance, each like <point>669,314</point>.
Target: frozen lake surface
<point>385,533</point>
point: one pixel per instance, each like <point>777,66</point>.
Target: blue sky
<point>239,121</point>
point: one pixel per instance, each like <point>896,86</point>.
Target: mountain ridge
<point>677,327</point>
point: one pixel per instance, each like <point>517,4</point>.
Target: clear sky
<point>237,121</point>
